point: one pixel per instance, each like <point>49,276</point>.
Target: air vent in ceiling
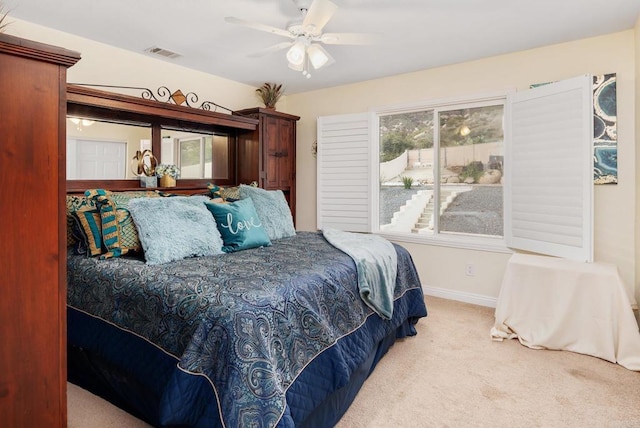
<point>162,52</point>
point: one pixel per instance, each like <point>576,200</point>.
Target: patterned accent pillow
<point>88,231</point>
<point>273,210</point>
<point>239,225</point>
<point>228,194</point>
<point>175,228</point>
<point>74,203</point>
<point>214,191</point>
<point>119,233</point>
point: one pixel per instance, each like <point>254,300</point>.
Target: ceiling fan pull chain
<point>305,71</point>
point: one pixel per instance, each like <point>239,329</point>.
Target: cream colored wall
<point>442,269</point>
<point>107,65</point>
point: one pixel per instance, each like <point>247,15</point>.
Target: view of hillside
<point>400,132</point>
<point>470,175</point>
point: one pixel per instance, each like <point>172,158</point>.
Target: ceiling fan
<point>305,47</point>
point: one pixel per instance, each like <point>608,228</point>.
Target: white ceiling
<point>414,34</point>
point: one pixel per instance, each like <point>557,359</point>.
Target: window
<point>196,155</point>
<point>441,170</point>
<point>499,170</point>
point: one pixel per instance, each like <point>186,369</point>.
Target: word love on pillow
<point>239,225</point>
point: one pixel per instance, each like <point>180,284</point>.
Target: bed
<point>272,336</point>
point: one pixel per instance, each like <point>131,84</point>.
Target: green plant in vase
<point>167,169</point>
<point>168,174</point>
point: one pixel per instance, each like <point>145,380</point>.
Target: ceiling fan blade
<point>319,13</point>
<point>348,38</point>
<point>260,27</point>
<point>271,49</point>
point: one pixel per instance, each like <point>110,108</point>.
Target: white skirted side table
<point>552,303</point>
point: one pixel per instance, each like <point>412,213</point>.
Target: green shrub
<point>474,170</point>
<point>407,182</point>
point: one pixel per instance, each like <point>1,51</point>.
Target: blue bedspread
<point>240,328</point>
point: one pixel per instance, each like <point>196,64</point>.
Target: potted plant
<point>168,174</point>
<point>269,94</point>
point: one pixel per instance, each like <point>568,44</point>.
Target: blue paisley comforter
<point>240,328</point>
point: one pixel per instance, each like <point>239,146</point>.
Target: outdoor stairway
<point>426,218</point>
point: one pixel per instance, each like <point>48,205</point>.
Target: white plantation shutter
<point>344,191</point>
<point>549,170</point>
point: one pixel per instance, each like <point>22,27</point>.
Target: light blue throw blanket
<point>377,265</point>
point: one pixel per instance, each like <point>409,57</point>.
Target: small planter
<point>270,93</point>
<point>167,181</point>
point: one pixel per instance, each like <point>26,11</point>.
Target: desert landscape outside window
<point>463,185</point>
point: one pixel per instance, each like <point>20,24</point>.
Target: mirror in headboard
<point>197,154</point>
<point>105,129</point>
<point>98,150</point>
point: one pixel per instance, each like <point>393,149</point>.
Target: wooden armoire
<point>33,364</point>
<point>268,154</point>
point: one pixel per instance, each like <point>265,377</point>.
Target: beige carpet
<point>452,375</point>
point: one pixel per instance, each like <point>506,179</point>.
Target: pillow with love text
<point>239,225</point>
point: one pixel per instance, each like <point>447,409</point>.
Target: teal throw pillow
<point>273,210</point>
<point>87,231</point>
<point>239,225</point>
<point>75,203</point>
<point>119,233</point>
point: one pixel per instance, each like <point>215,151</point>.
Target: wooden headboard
<point>113,107</point>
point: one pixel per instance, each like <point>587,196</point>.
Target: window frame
<point>201,155</point>
<point>455,240</point>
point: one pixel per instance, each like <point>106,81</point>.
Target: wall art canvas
<point>605,135</point>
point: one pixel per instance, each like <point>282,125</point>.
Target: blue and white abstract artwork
<point>605,136</point>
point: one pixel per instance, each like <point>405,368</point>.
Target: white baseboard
<point>461,296</point>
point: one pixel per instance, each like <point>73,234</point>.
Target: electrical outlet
<point>470,269</point>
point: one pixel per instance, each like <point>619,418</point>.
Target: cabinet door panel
<point>285,140</point>
<point>271,150</point>
<point>278,140</point>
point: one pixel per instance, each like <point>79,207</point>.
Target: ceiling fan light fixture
<point>81,122</point>
<point>317,56</point>
<point>295,54</point>
<point>305,51</point>
<point>296,67</point>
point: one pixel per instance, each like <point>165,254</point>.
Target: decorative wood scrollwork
<point>164,94</point>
